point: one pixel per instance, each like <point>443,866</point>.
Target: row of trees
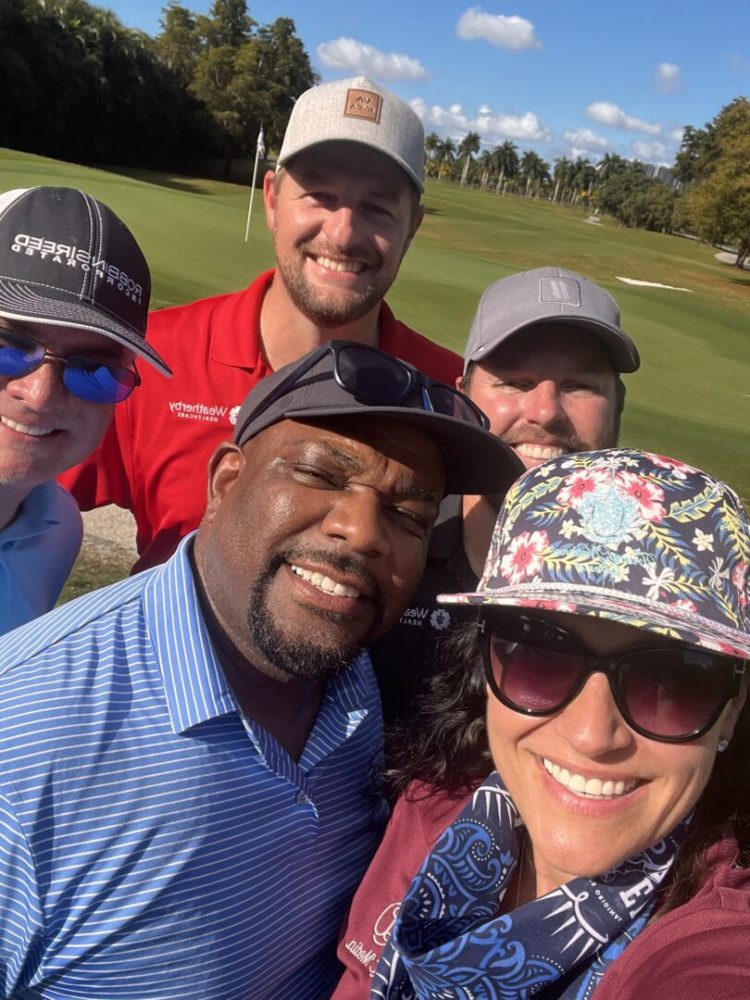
<point>707,191</point>
<point>78,85</point>
<point>624,188</point>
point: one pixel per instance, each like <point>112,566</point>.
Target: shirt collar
<point>195,687</point>
<point>40,509</point>
<point>194,683</point>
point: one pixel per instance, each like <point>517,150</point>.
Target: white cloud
<point>676,135</point>
<point>606,113</point>
<point>586,139</point>
<point>356,57</point>
<point>515,33</point>
<point>649,152</point>
<point>491,127</point>
<point>667,77</point>
<point>576,152</point>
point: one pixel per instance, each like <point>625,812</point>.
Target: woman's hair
<point>445,743</point>
<point>445,746</point>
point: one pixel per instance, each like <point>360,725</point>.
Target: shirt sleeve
<point>417,821</point>
<point>21,919</point>
<point>703,955</point>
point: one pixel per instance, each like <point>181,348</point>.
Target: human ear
<point>223,470</point>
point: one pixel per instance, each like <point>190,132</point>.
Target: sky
<point>564,79</point>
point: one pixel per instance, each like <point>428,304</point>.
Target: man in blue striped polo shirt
<point>187,789</point>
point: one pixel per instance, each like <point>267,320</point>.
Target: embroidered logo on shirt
<point>203,412</point>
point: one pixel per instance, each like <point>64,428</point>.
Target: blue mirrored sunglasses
<point>87,378</point>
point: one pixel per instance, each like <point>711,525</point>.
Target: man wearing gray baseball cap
<point>74,292</point>
<point>543,361</point>
<point>343,206</point>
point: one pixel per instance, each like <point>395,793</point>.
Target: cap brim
<point>20,302</point>
<point>476,461</point>
<point>389,154</point>
<point>621,348</point>
<point>684,625</point>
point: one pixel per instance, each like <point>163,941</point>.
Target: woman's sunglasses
<point>664,690</point>
<point>87,378</point>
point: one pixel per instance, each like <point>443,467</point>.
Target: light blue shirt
<point>37,552</point>
<point>153,844</point>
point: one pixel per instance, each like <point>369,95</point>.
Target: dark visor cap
<point>475,460</point>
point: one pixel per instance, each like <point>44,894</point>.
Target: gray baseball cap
<point>348,380</point>
<point>357,110</point>
<point>548,295</point>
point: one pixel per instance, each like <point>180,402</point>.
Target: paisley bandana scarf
<point>450,943</point>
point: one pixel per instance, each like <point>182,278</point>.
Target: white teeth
<point>591,787</point>
<point>541,451</point>
<point>350,266</point>
<point>325,583</point>
<point>23,429</point>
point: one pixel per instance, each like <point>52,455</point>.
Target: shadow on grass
<point>157,179</point>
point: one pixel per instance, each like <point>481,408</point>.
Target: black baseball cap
<point>67,259</point>
<point>476,461</point>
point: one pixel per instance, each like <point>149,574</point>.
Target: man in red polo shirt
<point>343,207</point>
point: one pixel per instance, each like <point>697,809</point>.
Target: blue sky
<point>564,79</point>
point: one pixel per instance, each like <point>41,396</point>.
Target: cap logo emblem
<point>363,104</point>
<point>563,290</point>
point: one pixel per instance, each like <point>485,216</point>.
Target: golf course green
<point>691,398</point>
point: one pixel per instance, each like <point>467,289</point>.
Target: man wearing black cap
<point>343,206</point>
<point>74,291</point>
<point>543,361</point>
<point>198,817</point>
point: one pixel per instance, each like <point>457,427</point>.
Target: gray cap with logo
<point>357,110</point>
<point>548,295</point>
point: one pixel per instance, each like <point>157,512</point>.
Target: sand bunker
<point>652,284</point>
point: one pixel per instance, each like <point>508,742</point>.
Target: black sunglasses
<point>87,378</point>
<point>375,377</point>
<point>664,690</point>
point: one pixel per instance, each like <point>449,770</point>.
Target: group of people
<point>342,523</point>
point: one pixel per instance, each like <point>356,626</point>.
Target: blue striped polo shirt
<point>155,845</point>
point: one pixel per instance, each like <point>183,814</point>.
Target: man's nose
<point>42,388</point>
<point>357,517</point>
<point>341,227</point>
<point>543,404</point>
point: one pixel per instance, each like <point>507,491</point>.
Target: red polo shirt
<point>153,460</point>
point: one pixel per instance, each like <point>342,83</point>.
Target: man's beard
<point>329,311</point>
<point>303,657</point>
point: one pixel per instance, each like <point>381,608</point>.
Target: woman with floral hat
<point>607,853</point>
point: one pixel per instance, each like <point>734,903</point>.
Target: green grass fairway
<point>691,398</point>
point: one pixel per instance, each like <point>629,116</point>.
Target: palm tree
<point>431,144</point>
<point>563,176</point>
<point>468,145</point>
<point>487,164</point>
<point>506,162</point>
<point>584,178</point>
<point>445,155</point>
<point>533,170</point>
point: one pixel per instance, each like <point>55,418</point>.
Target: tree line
<point>706,192</point>
<point>78,85</point>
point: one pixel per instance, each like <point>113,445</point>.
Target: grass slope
<point>691,398</point>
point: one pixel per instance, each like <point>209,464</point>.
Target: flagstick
<point>258,147</point>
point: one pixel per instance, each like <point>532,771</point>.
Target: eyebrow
<point>352,464</point>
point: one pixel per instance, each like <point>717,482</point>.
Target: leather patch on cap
<point>566,291</point>
<point>363,104</point>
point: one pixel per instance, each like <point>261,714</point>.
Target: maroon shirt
<point>700,951</point>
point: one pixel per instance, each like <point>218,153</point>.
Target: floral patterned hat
<point>628,536</point>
